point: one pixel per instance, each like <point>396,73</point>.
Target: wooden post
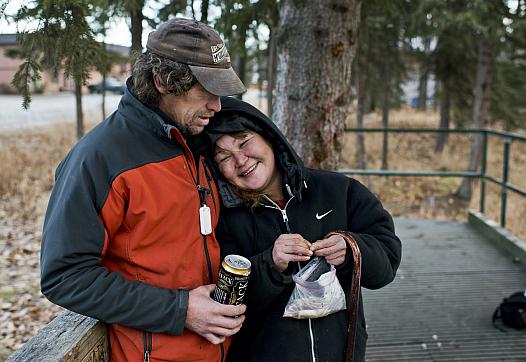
<point>69,337</point>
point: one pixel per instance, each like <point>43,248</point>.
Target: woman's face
<point>247,161</point>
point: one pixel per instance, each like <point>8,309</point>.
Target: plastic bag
<point>317,292</point>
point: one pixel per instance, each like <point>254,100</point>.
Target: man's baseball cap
<point>202,49</point>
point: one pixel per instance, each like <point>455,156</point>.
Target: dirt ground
<point>29,158</point>
<point>24,309</point>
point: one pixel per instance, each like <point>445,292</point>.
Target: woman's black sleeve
<point>373,229</point>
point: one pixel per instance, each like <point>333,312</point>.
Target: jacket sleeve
<point>75,237</point>
<point>265,283</point>
<point>373,229</point>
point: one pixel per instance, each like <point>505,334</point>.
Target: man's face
<point>191,111</point>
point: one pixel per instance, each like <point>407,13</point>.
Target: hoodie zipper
<point>283,211</point>
<point>287,225</point>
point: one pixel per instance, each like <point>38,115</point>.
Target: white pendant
<point>205,220</point>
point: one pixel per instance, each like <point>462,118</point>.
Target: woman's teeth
<point>249,170</point>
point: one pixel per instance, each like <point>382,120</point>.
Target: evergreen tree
<point>454,59</point>
<point>63,41</point>
<point>487,21</point>
<point>132,10</point>
<point>173,8</point>
<point>379,64</point>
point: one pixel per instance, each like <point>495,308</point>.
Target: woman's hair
<point>176,77</point>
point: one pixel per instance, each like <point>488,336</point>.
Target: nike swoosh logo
<point>319,217</point>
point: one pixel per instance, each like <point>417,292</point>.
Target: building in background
<point>49,83</point>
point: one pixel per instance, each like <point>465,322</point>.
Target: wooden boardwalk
<point>440,305</point>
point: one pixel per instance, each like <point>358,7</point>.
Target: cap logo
<point>219,53</point>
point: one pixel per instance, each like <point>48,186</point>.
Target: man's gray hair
<point>176,77</point>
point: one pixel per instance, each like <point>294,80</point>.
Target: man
<point>129,231</point>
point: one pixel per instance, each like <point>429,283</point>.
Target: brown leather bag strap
<point>354,294</point>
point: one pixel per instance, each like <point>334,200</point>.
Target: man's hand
<point>334,249</point>
<point>290,247</point>
<point>210,319</point>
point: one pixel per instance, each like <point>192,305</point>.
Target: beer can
<point>232,280</point>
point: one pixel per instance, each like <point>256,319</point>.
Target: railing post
<point>483,171</point>
<point>504,191</point>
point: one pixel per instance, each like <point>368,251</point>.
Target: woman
<point>279,214</point>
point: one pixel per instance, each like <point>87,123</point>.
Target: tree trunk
<point>316,46</point>
<point>481,104</point>
<point>445,109</point>
<point>435,95</point>
<point>192,9</point>
<point>260,70</point>
<point>80,115</point>
<point>204,11</point>
<point>385,109</point>
<point>104,76</point>
<point>242,58</point>
<point>424,76</point>
<point>271,71</point>
<point>136,18</point>
<point>385,123</point>
<point>227,16</point>
<point>362,69</point>
<point>103,95</point>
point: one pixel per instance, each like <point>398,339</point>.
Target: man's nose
<point>214,104</point>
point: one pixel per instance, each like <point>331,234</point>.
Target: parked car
<point>109,86</point>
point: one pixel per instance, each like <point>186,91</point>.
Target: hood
<point>227,121</point>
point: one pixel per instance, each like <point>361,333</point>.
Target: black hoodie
<point>318,202</point>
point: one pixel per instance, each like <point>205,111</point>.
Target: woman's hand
<point>334,249</point>
<point>290,247</point>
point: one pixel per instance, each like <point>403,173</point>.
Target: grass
<point>433,197</point>
<point>27,169</point>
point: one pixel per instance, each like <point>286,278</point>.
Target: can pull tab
<point>205,220</point>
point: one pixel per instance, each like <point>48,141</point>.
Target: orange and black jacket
<point>121,240</point>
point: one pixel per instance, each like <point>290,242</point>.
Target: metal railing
<point>482,175</point>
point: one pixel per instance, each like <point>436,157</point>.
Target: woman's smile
<point>250,169</point>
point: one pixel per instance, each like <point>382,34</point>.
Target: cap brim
<point>218,81</point>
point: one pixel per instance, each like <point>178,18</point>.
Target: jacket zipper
<point>207,255</point>
<point>147,340</point>
<point>283,211</point>
<point>287,225</point>
<point>208,178</point>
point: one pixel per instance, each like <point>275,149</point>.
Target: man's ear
<point>161,88</point>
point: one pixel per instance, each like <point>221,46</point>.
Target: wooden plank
<point>69,337</point>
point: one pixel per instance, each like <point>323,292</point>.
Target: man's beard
<point>191,128</point>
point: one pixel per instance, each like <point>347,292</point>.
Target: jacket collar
<point>146,115</point>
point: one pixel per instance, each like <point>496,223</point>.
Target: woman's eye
<point>244,143</point>
<point>223,159</point>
